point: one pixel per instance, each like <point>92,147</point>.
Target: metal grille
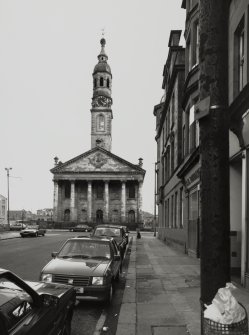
<point>77,280</point>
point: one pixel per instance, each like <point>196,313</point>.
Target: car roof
<point>109,226</point>
<point>91,238</point>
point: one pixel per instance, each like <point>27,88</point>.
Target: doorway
<point>99,216</point>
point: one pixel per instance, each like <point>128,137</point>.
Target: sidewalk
<point>5,235</point>
<point>162,291</point>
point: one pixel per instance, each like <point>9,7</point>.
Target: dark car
<point>126,230</point>
<point>33,230</point>
<point>115,231</point>
<point>81,228</point>
<point>91,265</point>
<point>34,307</point>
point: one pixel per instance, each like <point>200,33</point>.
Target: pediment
<point>96,160</point>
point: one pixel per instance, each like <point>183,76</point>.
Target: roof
<point>98,160</point>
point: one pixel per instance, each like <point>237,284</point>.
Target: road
<point>27,256</point>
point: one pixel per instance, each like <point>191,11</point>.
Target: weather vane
<point>103,32</point>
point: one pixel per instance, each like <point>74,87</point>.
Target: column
<point>72,202</point>
<point>106,201</point>
<point>123,202</point>
<point>140,202</point>
<point>89,201</point>
<point>56,195</point>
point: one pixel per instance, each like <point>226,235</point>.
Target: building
<point>22,215</point>
<point>178,189</point>
<point>3,210</point>
<point>98,186</point>
<point>45,214</point>
<point>238,75</point>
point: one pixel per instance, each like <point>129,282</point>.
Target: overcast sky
<point>48,49</point>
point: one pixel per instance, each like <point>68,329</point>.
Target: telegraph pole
<point>214,147</point>
<point>8,187</point>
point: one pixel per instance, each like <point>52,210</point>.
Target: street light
<point>8,176</point>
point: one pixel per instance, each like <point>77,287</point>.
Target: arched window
<point>95,83</point>
<point>100,122</point>
<point>108,82</point>
<point>101,81</point>
<point>67,215</point>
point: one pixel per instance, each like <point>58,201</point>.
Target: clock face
<point>102,101</point>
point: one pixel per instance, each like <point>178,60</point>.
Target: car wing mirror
<point>49,300</point>
<point>54,254</point>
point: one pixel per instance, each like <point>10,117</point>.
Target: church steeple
<point>101,102</point>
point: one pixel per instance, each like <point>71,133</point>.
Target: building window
<point>131,191</point>
<point>172,212</point>
<point>67,189</point>
<point>166,223</point>
<point>101,83</point>
<point>100,192</point>
<point>67,215</point>
<point>101,122</point>
<point>95,83</point>
<point>172,156</point>
<point>172,110</point>
<point>181,208</point>
<point>239,56</point>
<point>115,216</point>
<point>195,56</point>
<point>108,82</point>
<point>183,141</point>
<point>175,214</point>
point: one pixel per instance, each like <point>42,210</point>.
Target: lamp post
<point>8,176</point>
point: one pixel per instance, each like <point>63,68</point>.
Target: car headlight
<point>97,281</point>
<point>47,277</point>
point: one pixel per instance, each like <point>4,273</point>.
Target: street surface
<point>27,256</point>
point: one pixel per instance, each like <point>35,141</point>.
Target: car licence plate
<point>79,289</point>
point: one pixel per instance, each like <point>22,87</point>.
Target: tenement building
<point>98,186</point>
<point>177,137</point>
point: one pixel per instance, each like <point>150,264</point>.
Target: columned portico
<point>123,202</point>
<point>72,202</point>
<point>89,201</point>
<point>106,211</point>
<point>56,196</point>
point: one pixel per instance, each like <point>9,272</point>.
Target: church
<point>97,186</point>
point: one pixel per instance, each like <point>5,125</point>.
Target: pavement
<point>162,292</point>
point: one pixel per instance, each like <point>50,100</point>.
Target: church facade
<point>97,186</point>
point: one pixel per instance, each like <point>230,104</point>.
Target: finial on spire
<point>103,41</point>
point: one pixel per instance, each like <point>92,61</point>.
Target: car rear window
<point>113,232</point>
<point>85,249</point>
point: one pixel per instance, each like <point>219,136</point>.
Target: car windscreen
<point>85,249</point>
<point>112,232</point>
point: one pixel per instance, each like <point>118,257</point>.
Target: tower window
<point>100,122</point>
<point>108,82</point>
<point>95,83</point>
<point>101,81</point>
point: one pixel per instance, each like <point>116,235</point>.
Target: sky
<point>48,50</point>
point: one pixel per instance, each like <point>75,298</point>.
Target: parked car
<point>126,230</point>
<point>115,231</point>
<point>90,264</point>
<point>33,231</point>
<point>17,225</point>
<point>34,307</point>
<point>81,228</point>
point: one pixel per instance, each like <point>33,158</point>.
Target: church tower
<point>101,124</point>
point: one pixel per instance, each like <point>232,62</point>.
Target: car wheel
<point>110,294</point>
<point>66,328</point>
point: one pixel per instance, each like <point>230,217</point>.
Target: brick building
<point>98,186</point>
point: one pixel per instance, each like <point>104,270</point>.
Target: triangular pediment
<point>97,160</point>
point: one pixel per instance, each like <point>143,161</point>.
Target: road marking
<point>100,323</point>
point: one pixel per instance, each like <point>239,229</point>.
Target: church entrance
<point>99,216</point>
